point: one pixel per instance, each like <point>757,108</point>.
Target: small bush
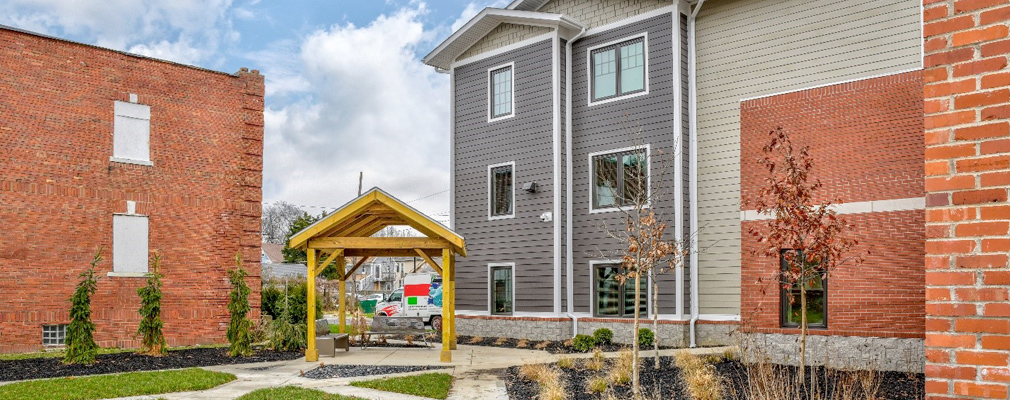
<point>552,386</point>
<point>583,343</point>
<point>286,336</point>
<point>239,326</point>
<point>604,336</point>
<point>532,372</point>
<point>700,377</point>
<point>542,345</point>
<point>595,363</point>
<point>500,341</point>
<point>150,330</point>
<point>522,344</point>
<point>475,340</point>
<point>645,337</point>
<point>566,362</point>
<point>81,346</point>
<point>596,384</point>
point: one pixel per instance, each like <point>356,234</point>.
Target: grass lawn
<point>109,350</point>
<point>293,393</point>
<point>435,385</point>
<point>118,385</point>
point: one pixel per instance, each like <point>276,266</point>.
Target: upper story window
<point>817,298</point>
<point>501,92</point>
<point>502,193</point>
<point>620,178</point>
<point>618,70</point>
<point>131,141</point>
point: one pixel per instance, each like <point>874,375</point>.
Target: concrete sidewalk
<point>471,369</point>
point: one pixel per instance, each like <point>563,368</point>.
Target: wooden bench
<point>327,343</point>
<point>397,326</point>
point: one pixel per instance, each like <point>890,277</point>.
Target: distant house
<point>135,155</point>
<point>272,253</point>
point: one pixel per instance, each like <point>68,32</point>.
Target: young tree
<point>81,347</point>
<point>239,334</point>
<point>808,237</point>
<point>150,329</point>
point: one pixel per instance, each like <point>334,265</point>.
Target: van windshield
<point>395,296</point>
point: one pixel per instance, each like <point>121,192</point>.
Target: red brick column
<point>967,216</point>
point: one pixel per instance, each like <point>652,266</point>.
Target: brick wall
<point>967,219</point>
<point>58,189</point>
<point>866,143</point>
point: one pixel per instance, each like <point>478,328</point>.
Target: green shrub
<point>583,343</point>
<point>239,327</point>
<point>604,336</point>
<point>81,346</point>
<point>268,300</point>
<point>285,335</point>
<point>150,330</point>
<point>645,337</point>
<point>292,297</point>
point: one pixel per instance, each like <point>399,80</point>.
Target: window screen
<point>501,92</point>
<point>620,179</point>
<point>502,191</point>
<point>618,69</point>
<point>132,132</point>
<point>129,243</point>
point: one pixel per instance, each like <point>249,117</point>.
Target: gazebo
<point>347,233</point>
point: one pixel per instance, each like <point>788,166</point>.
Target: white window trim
<point>490,284</point>
<point>592,289</point>
<point>131,161</point>
<point>490,191</point>
<point>589,69</point>
<point>648,178</point>
<point>490,93</point>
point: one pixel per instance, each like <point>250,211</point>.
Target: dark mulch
<point>36,368</point>
<point>894,385</point>
<point>658,384</point>
<point>665,383</point>
<point>550,346</point>
<point>346,371</point>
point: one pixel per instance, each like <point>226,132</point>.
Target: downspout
<point>693,113</point>
<point>569,257</point>
<point>452,146</point>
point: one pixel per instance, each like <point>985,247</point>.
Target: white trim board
<point>859,207</point>
<point>831,84</point>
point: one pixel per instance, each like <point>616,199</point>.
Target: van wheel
<point>436,323</point>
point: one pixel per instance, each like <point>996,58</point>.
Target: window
<point>131,141</point>
<point>614,299</point>
<point>129,244</point>
<point>501,289</point>
<point>817,290</point>
<point>502,191</point>
<point>501,92</point>
<point>54,335</point>
<point>618,69</point>
<point>395,297</point>
<point>620,178</point>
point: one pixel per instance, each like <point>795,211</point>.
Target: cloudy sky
<point>346,90</point>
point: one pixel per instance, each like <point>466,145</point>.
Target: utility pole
<point>361,177</point>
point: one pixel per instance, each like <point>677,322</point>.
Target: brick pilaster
<point>967,102</point>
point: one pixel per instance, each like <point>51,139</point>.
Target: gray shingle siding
<point>527,139</point>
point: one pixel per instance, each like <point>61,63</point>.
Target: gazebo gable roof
<point>370,213</point>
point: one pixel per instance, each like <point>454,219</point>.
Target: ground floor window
<point>614,299</point>
<point>501,289</point>
<point>817,295</point>
<point>54,335</point>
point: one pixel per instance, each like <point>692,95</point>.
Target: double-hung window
<point>817,297</point>
<point>614,298</point>
<point>501,92</point>
<point>501,289</point>
<point>620,178</point>
<point>501,179</point>
<point>618,69</point>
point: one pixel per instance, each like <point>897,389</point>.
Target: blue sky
<point>346,90</point>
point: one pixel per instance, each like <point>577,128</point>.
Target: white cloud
<point>185,31</point>
<point>368,104</point>
<point>473,8</point>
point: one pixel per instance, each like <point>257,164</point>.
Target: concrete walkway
<point>471,368</point>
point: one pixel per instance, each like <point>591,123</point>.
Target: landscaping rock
<point>347,371</point>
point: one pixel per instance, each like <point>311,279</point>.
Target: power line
<point>430,195</point>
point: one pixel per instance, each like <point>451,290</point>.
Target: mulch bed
<point>347,371</point>
<point>37,368</point>
<point>550,346</point>
<point>665,383</point>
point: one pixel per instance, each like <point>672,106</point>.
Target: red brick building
<point>104,149</point>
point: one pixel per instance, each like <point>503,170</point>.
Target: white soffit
<point>526,5</point>
<point>488,19</point>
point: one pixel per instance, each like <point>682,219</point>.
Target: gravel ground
<point>346,371</point>
<point>665,383</point>
<point>36,368</point>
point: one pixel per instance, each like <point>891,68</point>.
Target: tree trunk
<point>803,332</point>
<point>655,319</point>
<point>634,358</point>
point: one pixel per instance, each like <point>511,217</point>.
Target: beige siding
<point>503,35</point>
<point>749,48</point>
<point>598,13</point>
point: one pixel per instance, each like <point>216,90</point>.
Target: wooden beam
<point>387,253</point>
<point>336,253</point>
<point>391,243</point>
<point>356,265</point>
<point>342,292</point>
<point>429,261</point>
<point>311,354</point>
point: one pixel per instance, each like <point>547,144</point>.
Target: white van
<point>420,296</point>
